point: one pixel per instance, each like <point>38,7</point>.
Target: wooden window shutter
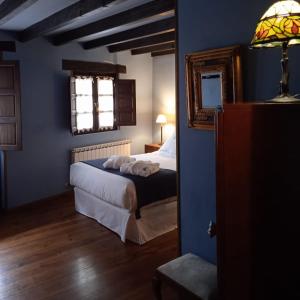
<point>10,110</point>
<point>126,102</point>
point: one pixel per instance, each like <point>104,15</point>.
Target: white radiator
<point>101,150</point>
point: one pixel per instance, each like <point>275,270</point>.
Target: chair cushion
<point>194,274</point>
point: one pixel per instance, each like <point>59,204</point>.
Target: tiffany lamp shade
<point>280,27</point>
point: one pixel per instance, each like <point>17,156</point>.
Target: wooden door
<point>258,190</point>
<point>10,116</point>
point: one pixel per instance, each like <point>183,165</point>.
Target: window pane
<point>84,121</point>
<point>84,104</point>
<point>84,86</point>
<point>106,119</point>
<point>105,86</point>
<point>106,103</point>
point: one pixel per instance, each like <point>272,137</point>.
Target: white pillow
<point>169,147</point>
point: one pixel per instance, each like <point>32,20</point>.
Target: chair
<point>190,275</point>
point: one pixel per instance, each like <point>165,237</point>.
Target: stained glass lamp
<point>280,27</point>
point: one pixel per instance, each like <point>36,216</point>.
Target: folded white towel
<point>115,161</point>
<point>142,168</point>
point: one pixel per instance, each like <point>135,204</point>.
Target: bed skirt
<point>156,219</point>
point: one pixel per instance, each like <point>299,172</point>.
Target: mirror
<point>211,91</point>
<point>212,78</point>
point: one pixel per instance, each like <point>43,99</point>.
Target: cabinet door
<point>10,116</point>
<point>234,238</point>
<point>258,201</point>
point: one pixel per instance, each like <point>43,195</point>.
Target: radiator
<point>101,150</point>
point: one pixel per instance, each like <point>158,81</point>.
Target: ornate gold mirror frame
<point>213,78</point>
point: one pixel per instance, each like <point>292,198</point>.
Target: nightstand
<point>151,147</point>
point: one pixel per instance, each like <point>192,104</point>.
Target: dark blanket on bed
<point>158,186</point>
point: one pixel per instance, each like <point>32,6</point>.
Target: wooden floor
<point>47,251</point>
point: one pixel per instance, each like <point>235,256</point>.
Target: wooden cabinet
<point>151,147</point>
<point>258,189</point>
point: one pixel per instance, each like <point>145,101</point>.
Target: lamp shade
<point>161,119</point>
<point>280,24</point>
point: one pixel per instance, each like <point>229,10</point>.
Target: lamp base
<point>284,99</point>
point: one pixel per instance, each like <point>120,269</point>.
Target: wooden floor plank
<point>48,251</point>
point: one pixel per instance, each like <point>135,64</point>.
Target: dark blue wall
<point>207,25</point>
<point>41,169</point>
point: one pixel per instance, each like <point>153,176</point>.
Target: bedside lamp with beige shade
<point>161,119</point>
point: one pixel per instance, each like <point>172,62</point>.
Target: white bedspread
<point>112,188</point>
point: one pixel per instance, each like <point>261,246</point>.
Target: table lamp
<point>161,119</point>
<point>280,27</point>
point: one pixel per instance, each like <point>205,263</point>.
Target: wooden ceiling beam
<point>164,52</point>
<point>10,8</point>
<point>149,9</point>
<point>151,28</point>
<point>88,66</point>
<point>9,46</point>
<point>144,42</point>
<point>160,47</point>
<point>63,18</point>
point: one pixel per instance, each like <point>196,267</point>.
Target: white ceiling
<point>124,27</point>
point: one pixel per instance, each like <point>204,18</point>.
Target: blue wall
<point>41,169</point>
<point>206,25</point>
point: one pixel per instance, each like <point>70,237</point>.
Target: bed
<point>111,199</point>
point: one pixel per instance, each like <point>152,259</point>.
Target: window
<point>105,103</point>
<point>100,101</point>
<point>93,104</point>
<point>84,103</point>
